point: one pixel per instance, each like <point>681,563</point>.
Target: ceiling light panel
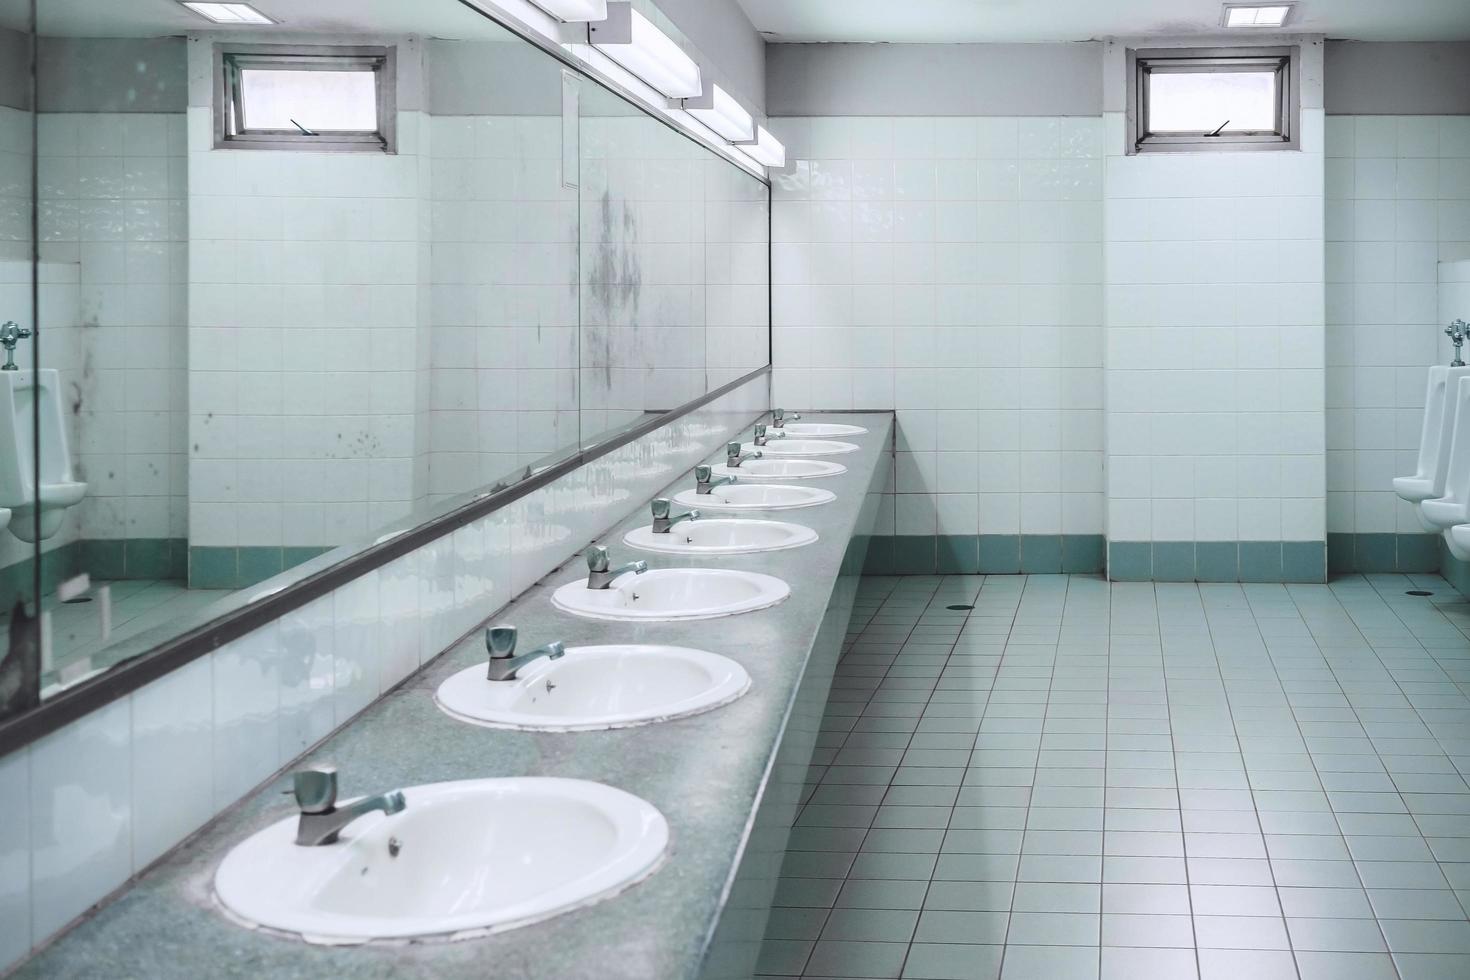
<point>1256,15</point>
<point>767,150</point>
<point>228,13</point>
<point>721,113</point>
<point>631,40</point>
<point>574,11</point>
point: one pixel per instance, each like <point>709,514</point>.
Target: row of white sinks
<point>471,858</point>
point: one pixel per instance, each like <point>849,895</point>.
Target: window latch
<point>304,130</point>
<point>1218,129</point>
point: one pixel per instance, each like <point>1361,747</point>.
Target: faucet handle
<point>760,428</point>
<point>702,473</point>
<point>597,558</point>
<point>315,789</point>
<point>660,507</point>
<point>500,640</point>
<point>732,449</point>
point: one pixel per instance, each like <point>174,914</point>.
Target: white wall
<point>113,205</point>
<point>1398,201</point>
<point>304,334</point>
<point>951,269</point>
<point>504,298</point>
<point>1214,332</point>
<point>15,187</point>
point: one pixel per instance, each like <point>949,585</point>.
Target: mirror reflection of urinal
<point>23,396</point>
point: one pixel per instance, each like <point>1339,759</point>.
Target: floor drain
<point>78,599</point>
<point>1418,592</point>
<point>959,606</point>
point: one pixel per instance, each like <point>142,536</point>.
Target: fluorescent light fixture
<point>766,149</point>
<point>718,110</point>
<point>574,11</point>
<point>228,13</point>
<point>628,38</point>
<point>1255,15</point>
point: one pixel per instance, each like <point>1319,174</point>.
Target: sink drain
<point>1418,592</point>
<point>957,607</point>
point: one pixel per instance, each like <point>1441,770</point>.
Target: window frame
<point>230,59</point>
<point>1283,61</point>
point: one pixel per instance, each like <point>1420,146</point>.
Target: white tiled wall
<point>113,200</point>
<point>95,802</point>
<point>504,299</point>
<point>952,269</point>
<point>304,339</point>
<point>15,187</point>
<point>1214,317</point>
<point>1398,201</point>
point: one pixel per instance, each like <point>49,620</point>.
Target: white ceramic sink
<point>821,429</point>
<point>721,536</point>
<point>596,687</point>
<point>462,859</point>
<point>667,594</point>
<point>756,496</point>
<point>800,447</point>
<point>781,469</point>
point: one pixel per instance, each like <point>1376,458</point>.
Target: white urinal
<point>1434,438</point>
<point>23,396</point>
<point>1450,508</point>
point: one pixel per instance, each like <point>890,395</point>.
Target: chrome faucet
<point>662,522</point>
<point>704,480</point>
<point>11,334</point>
<point>734,457</point>
<point>779,419</point>
<point>504,664</point>
<point>1456,331</point>
<point>761,438</point>
<point>600,576</point>
<point>321,819</point>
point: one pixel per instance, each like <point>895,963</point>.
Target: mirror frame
<point>250,608</point>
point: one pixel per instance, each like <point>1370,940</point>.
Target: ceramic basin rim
<point>696,704</point>
<point>691,498</point>
<point>643,540</point>
<point>643,838</point>
<point>827,447</point>
<point>802,430</point>
<point>774,591</point>
<point>821,474</point>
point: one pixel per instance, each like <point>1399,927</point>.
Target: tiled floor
<point>1141,781</point>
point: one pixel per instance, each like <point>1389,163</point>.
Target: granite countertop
<point>705,773</point>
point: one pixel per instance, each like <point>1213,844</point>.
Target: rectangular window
<point>283,97</point>
<point>1213,99</point>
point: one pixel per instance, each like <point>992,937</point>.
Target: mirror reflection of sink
<point>462,859</point>
<point>822,429</point>
<point>597,687</point>
<point>721,536</point>
<point>781,469</point>
<point>668,594</point>
<point>800,447</point>
<point>756,496</point>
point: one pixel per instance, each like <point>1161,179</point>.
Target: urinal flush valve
<point>1457,332</point>
<point>10,335</point>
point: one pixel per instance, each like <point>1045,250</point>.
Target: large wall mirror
<point>306,285</point>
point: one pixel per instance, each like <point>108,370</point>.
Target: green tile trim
<point>1383,552</point>
<point>958,554</point>
<point>1304,561</point>
<point>213,568</point>
<point>915,554</point>
<point>1217,561</point>
<point>1130,561</point>
<point>880,556</point>
<point>1173,561</point>
<point>1455,571</point>
<point>1000,554</point>
<point>1084,553</point>
<point>1041,554</point>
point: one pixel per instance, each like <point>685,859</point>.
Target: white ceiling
<point>1080,20</point>
<point>153,18</point>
